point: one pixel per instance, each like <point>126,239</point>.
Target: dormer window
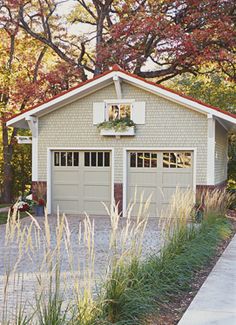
<point>118,111</point>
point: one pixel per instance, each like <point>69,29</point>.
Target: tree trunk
<point>99,39</point>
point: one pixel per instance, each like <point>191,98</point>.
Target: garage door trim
<point>49,168</point>
<point>125,165</point>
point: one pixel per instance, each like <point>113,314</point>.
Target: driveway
<point>31,261</point>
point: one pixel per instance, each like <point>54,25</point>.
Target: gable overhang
<point>116,77</point>
<point>226,118</point>
<point>66,98</point>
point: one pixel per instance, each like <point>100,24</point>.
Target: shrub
<point>218,201</point>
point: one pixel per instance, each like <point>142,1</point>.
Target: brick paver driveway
<point>30,262</point>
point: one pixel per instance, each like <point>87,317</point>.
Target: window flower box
<point>129,131</point>
<point>117,127</point>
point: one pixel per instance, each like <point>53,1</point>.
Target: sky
<point>66,6</point>
<point>64,9</point>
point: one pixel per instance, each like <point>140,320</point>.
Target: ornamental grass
<point>132,286</point>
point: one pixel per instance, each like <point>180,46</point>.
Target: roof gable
<point>100,81</point>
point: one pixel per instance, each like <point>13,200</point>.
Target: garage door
<point>158,173</point>
<point>81,180</point>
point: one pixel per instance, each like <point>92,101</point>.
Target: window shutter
<point>98,113</point>
<point>138,112</point>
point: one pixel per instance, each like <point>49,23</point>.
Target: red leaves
<point>26,84</point>
<point>182,33</point>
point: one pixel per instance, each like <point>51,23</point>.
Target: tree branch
<point>38,62</point>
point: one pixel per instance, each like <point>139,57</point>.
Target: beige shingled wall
<point>221,154</point>
<point>167,125</point>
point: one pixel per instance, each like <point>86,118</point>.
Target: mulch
<point>171,312</point>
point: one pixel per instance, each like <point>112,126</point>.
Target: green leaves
<point>118,125</point>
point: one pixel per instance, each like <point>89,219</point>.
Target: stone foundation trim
<point>201,189</point>
<point>220,186</point>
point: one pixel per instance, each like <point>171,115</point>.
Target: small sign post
<point>24,139</point>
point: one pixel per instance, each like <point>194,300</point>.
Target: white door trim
<point>125,166</point>
<point>49,169</point>
<point>33,125</point>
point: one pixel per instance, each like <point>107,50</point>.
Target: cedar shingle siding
<point>167,125</point>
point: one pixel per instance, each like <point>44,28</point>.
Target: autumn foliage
<point>44,51</point>
<point>173,37</point>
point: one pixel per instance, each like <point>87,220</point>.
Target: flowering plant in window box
<point>122,126</point>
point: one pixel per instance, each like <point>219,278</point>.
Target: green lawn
<point>4,205</point>
<point>4,215</point>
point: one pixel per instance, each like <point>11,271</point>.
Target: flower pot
<point>39,210</point>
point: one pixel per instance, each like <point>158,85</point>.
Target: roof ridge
<point>117,68</point>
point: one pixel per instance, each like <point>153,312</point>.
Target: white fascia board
<point>84,90</point>
<point>63,99</point>
<point>176,98</point>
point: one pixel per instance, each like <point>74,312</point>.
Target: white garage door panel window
<point>81,180</point>
<point>158,174</point>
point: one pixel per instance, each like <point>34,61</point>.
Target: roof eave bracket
<point>117,83</point>
<point>33,124</point>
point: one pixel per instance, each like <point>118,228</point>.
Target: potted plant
<point>39,205</point>
<point>39,199</point>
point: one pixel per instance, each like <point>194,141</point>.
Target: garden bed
<point>171,312</point>
<point>164,285</point>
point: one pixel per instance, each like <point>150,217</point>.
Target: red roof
<point>116,67</point>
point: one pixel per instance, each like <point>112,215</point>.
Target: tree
<point>211,88</point>
<point>217,91</point>
<point>154,39</point>
<point>158,39</point>
<point>29,74</point>
<point>11,97</point>
<point>21,169</point>
<point>172,37</point>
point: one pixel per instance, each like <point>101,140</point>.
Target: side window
<point>143,159</point>
<point>66,158</point>
<point>97,159</point>
<point>177,160</point>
